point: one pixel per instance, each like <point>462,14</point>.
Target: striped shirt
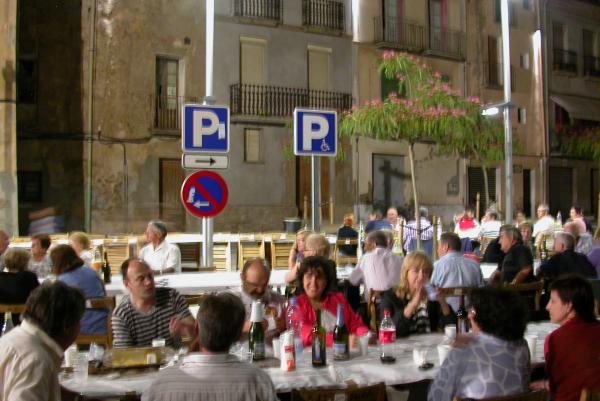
<point>211,377</point>
<point>410,231</point>
<point>132,328</point>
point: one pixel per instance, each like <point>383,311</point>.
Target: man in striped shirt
<point>213,374</point>
<point>149,312</point>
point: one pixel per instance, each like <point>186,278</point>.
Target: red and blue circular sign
<point>204,194</point>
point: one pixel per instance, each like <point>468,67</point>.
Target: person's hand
<point>353,341</point>
<point>440,297</point>
<point>184,328</point>
<point>539,385</point>
<point>462,340</point>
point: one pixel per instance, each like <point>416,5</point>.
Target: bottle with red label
<point>387,338</point>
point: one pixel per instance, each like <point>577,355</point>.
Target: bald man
<point>4,241</point>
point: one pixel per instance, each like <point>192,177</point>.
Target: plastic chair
<point>375,392</point>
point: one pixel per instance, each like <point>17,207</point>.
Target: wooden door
<point>171,178</point>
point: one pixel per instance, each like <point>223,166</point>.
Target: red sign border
<point>193,177</point>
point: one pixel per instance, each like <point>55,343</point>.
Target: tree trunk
<point>411,158</point>
<point>486,188</point>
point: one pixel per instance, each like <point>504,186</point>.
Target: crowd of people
<point>492,360</point>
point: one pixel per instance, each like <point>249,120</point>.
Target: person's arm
<point>522,275</point>
<point>396,307</point>
<point>290,276</point>
<point>173,262</point>
<point>357,276</point>
<point>292,257</point>
<point>495,276</point>
<point>445,385</point>
<point>29,380</point>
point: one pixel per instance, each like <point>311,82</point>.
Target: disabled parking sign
<point>204,194</point>
<point>315,132</point>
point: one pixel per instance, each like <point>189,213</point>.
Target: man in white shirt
<point>213,373</point>
<point>31,354</point>
<point>159,254</point>
<point>379,268</point>
<point>545,222</point>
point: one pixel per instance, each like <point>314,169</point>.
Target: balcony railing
<point>494,76</point>
<point>398,33</point>
<point>447,42</point>
<point>591,66</point>
<point>167,111</point>
<point>278,101</point>
<point>328,14</point>
<point>565,60</point>
<point>260,9</point>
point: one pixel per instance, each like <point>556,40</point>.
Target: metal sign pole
<point>508,167</point>
<point>316,195</point>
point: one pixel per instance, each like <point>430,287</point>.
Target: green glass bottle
<point>341,348</point>
<point>256,336</point>
<point>319,355</point>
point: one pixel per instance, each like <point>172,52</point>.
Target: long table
<point>362,370</point>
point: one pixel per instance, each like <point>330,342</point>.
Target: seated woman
<point>494,360</point>
<point>16,283</point>
<point>70,269</point>
<point>296,255</point>
<point>571,351</point>
<point>410,309</point>
<point>317,281</point>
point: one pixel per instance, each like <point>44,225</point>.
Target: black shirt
<point>517,257</point>
<point>15,288</point>
<point>347,232</point>
<point>565,262</point>
<point>493,253</point>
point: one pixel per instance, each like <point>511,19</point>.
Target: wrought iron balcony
<point>397,33</point>
<point>565,60</point>
<point>494,76</point>
<point>327,14</point>
<point>279,101</point>
<point>446,43</point>
<point>259,9</point>
<point>591,66</point>
<point>167,111</point>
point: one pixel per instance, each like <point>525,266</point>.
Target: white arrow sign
<point>195,162</point>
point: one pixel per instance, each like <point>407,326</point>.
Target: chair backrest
<point>530,289</point>
<point>456,291</point>
<point>12,308</point>
<point>373,302</point>
<point>589,395</point>
<point>104,338</point>
<point>341,259</point>
<point>370,393</point>
<point>538,395</point>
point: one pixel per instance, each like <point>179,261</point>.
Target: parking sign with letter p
<point>315,132</point>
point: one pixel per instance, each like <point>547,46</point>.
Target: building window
<point>27,80</point>
<point>319,68</point>
<point>252,145</point>
<point>167,93</point>
<point>252,60</point>
<point>522,115</point>
<point>524,60</point>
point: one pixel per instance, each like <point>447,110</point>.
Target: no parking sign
<point>204,194</point>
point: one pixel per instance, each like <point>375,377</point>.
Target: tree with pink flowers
<point>424,109</point>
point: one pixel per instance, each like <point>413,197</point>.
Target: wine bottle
<point>462,322</point>
<point>341,349</point>
<point>319,355</point>
<point>256,336</point>
<point>106,269</point>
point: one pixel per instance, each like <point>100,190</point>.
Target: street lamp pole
<point>508,168</point>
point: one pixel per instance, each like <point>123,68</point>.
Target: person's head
<point>575,212</point>
<point>220,321</point>
<point>138,278</point>
<point>416,272</point>
<point>255,277</point>
<point>348,219</point>
<point>509,235</point>
<point>79,241</point>
<point>499,312</point>
<point>389,235</point>
<point>64,259</point>
<point>316,245</point>
<point>571,295</point>
<point>563,241</point>
<point>376,239</point>
<point>317,277</point>
<point>542,210</point>
<point>572,228</point>
<point>491,216</point>
<point>156,231</point>
<point>520,217</point>
<point>56,308</point>
<point>470,212</point>
<point>449,242</point>
<point>526,230</point>
<point>40,244</point>
<point>16,260</point>
<point>374,215</point>
<point>392,215</point>
<point>4,241</point>
<point>300,242</point>
<point>423,212</point>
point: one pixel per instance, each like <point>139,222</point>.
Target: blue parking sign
<point>205,128</point>
<point>315,132</point>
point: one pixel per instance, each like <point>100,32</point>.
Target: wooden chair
<point>280,251</point>
<point>530,290</point>
<point>12,308</point>
<point>456,291</point>
<point>342,260</point>
<point>100,339</point>
<point>190,256</point>
<point>589,395</point>
<point>538,395</point>
<point>117,251</point>
<point>375,392</point>
<point>373,302</point>
<point>250,246</point>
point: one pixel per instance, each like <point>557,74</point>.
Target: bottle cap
<point>257,312</point>
<point>293,301</point>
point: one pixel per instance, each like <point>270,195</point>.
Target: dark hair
<point>220,321</point>
<point>452,240</point>
<point>44,239</point>
<point>312,263</point>
<point>576,290</point>
<point>470,208</point>
<point>64,259</point>
<point>55,307</point>
<point>125,266</point>
<point>379,238</point>
<point>577,209</point>
<point>494,215</point>
<point>251,261</point>
<point>500,312</point>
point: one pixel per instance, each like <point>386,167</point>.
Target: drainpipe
<point>90,139</point>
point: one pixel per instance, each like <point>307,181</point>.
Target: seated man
<point>517,265</point>
<point>584,243</point>
<point>545,222</point>
<point>31,354</point>
<point>161,256</point>
<point>255,287</point>
<point>214,374</point>
<point>566,260</point>
<point>149,312</point>
<point>379,268</point>
<point>454,270</point>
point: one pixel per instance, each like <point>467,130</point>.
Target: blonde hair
<point>16,259</point>
<point>414,260</point>
<point>301,234</point>
<point>318,243</point>
<point>349,216</point>
<point>81,239</point>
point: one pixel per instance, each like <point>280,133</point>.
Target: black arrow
<point>212,161</point>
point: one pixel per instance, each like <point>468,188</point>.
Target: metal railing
<point>591,66</point>
<point>398,33</point>
<point>167,111</point>
<point>565,60</point>
<point>447,42</point>
<point>494,76</point>
<point>264,9</point>
<point>278,101</point>
<point>324,14</point>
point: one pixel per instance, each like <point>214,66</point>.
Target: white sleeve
<point>174,258</point>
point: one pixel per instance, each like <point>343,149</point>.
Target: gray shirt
<point>454,270</point>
